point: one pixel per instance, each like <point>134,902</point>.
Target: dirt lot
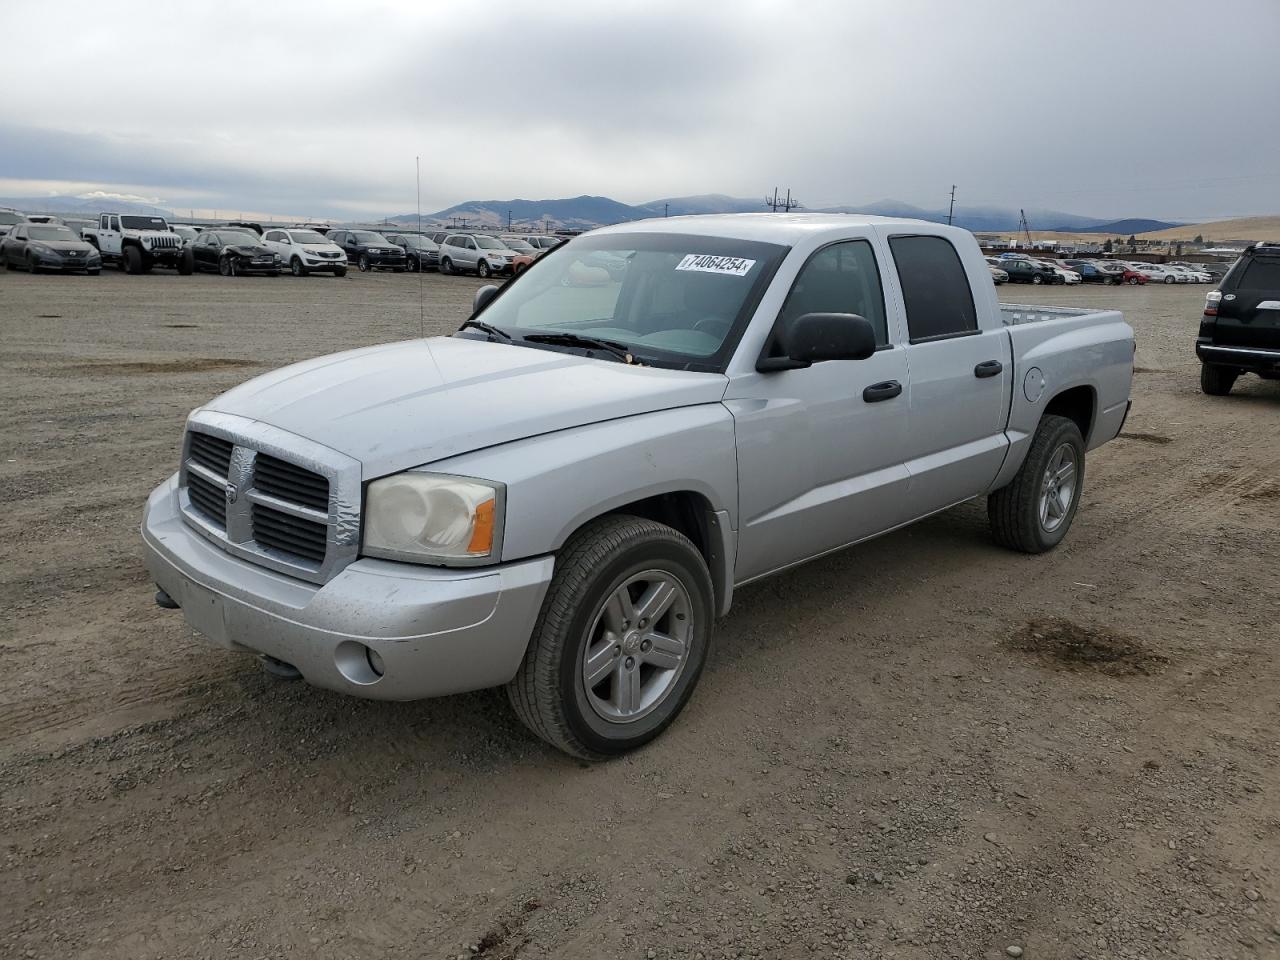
<point>926,747</point>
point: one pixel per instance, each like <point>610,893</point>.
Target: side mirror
<point>484,296</point>
<point>814,337</point>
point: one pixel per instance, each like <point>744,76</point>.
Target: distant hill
<point>702,204</point>
<point>1240,228</point>
<point>80,206</point>
<point>576,213</point>
<point>1119,227</point>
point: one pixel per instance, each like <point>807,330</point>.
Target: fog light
<point>375,660</point>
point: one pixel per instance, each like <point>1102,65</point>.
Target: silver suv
<point>474,253</point>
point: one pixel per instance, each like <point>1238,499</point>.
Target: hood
<point>321,248</point>
<point>248,249</point>
<point>401,405</point>
<point>64,246</point>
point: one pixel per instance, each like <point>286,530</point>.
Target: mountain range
<point>585,212</point>
<point>581,213</point>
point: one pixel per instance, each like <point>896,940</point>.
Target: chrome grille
<point>269,497</point>
<point>282,479</point>
<point>212,452</point>
<point>292,535</point>
<point>208,498</point>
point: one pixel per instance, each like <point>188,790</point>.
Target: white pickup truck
<point>564,495</point>
<point>139,243</point>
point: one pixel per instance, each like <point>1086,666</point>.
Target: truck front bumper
<point>379,629</point>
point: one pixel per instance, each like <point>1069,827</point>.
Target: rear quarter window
<point>1259,275</point>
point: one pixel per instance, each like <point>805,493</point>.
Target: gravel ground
<point>924,747</point>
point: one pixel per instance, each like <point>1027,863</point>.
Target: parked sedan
<point>48,246</point>
<point>9,219</point>
<point>306,251</point>
<point>1093,273</point>
<point>370,250</point>
<point>1027,271</point>
<point>998,275</point>
<point>1159,273</point>
<point>421,253</point>
<point>233,252</point>
<point>1067,274</point>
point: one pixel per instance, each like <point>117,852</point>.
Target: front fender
<point>556,482</point>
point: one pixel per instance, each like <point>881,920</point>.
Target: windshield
<point>187,233</point>
<point>51,232</point>
<point>144,223</point>
<point>488,243</point>
<point>11,218</point>
<point>306,236</point>
<point>243,237</point>
<point>518,245</point>
<point>417,242</point>
<point>368,236</point>
<point>671,299</point>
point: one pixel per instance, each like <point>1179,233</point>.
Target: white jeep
<point>139,243</point>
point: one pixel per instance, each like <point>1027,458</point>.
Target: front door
<point>821,450</point>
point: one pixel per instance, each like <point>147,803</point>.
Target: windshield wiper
<point>612,347</point>
<point>488,328</point>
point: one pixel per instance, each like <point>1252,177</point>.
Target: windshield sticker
<point>706,263</point>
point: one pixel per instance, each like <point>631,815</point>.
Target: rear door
<point>277,241</point>
<point>1249,312</point>
<point>959,377</point>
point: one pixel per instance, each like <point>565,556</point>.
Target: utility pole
<point>1024,226</point>
<point>787,205</point>
<point>952,209</point>
<point>508,220</point>
<point>666,210</point>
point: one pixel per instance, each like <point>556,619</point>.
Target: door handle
<point>882,391</point>
<point>988,368</point>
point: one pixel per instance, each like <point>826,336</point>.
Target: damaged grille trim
<point>282,527</point>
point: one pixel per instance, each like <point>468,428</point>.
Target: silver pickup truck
<point>563,496</point>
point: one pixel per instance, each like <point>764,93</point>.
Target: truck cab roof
<point>781,228</point>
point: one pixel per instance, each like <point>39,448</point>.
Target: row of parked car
<point>1022,268</point>
<point>138,243</point>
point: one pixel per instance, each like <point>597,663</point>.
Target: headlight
<point>40,250</point>
<point>429,518</point>
<point>93,254</point>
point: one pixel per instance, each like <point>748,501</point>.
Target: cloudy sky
<point>1112,108</point>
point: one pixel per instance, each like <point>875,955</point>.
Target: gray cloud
<point>322,108</point>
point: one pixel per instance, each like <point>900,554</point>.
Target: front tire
<point>1170,280</point>
<point>1037,279</point>
<point>621,639</point>
<point>340,272</point>
<point>187,263</point>
<point>226,266</point>
<point>93,273</point>
<point>363,264</point>
<point>482,270</point>
<point>131,259</point>
<point>1217,381</point>
<point>446,267</point>
<point>1034,512</point>
<point>296,267</point>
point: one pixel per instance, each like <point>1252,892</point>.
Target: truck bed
<point>1013,314</point>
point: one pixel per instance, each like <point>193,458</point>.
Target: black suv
<point>1240,329</point>
<point>1024,271</point>
<point>369,250</point>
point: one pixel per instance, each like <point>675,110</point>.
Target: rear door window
<point>935,288</point>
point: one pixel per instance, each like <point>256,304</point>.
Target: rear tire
<point>131,260</point>
<point>1034,512</point>
<point>1217,381</point>
<point>589,604</point>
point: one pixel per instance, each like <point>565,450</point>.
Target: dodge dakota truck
<point>563,496</point>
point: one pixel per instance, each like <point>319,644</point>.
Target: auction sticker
<point>706,263</point>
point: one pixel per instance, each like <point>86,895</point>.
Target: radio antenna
<point>422,315</point>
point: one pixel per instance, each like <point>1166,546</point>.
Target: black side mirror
<point>484,296</point>
<point>814,337</point>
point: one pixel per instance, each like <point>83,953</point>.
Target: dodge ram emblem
<point>230,491</point>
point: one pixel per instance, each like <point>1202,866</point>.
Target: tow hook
<point>165,601</point>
